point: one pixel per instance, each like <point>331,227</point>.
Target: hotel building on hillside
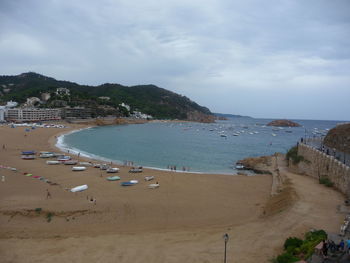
<point>32,114</point>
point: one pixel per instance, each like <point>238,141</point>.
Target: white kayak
<point>79,188</point>
<point>52,162</point>
<point>78,168</point>
<point>153,186</point>
<point>85,163</point>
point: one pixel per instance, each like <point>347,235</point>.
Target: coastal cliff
<point>339,138</point>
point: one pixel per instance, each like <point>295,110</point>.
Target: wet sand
<point>181,221</point>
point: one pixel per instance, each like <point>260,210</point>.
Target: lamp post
<point>226,237</point>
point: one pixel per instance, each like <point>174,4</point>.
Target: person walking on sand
<point>3,178</point>
<point>48,194</point>
<point>3,147</point>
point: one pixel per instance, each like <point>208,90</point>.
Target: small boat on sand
<point>113,178</point>
<point>28,157</point>
<point>28,153</point>
<point>112,170</point>
<point>52,162</point>
<point>126,184</point>
<point>97,165</point>
<point>149,178</point>
<point>70,162</point>
<point>63,158</point>
<point>78,168</point>
<point>136,170</point>
<point>153,186</point>
<point>79,188</point>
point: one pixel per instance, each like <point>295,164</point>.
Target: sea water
<point>198,147</point>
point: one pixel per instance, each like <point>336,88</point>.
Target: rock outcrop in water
<point>283,123</point>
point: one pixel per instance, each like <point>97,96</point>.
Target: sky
<point>265,59</point>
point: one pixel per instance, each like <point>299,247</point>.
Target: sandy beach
<point>181,221</point>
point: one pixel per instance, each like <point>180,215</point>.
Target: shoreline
<point>95,158</point>
<point>186,215</point>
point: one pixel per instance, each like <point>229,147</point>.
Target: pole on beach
<point>226,237</point>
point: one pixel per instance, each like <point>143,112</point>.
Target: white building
<point>2,113</point>
<point>32,114</point>
<point>126,106</point>
<point>11,104</point>
<point>62,91</point>
<point>32,101</point>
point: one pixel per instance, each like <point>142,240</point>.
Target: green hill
<point>149,99</point>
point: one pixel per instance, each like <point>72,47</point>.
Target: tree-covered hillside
<point>149,99</point>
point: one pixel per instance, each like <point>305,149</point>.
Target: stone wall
<point>318,165</point>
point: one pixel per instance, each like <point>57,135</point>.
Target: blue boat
<point>126,184</point>
<point>28,153</point>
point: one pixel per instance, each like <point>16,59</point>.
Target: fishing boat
<point>136,170</point>
<point>63,158</point>
<point>28,157</point>
<point>112,170</point>
<point>97,165</point>
<point>85,163</point>
<point>104,166</point>
<point>126,183</point>
<point>239,166</point>
<point>52,162</point>
<point>70,162</point>
<point>153,186</point>
<point>78,168</point>
<point>46,155</point>
<point>113,178</point>
<point>149,178</point>
<point>28,153</point>
<point>134,181</point>
<point>79,188</point>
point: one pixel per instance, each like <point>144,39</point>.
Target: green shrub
<point>326,181</point>
<point>286,258</point>
<point>293,155</point>
<point>49,217</point>
<point>292,243</point>
<point>296,249</point>
<point>38,210</point>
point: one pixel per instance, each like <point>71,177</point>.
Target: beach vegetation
<point>49,216</point>
<point>292,154</point>
<point>38,210</point>
<point>296,249</point>
<point>326,181</point>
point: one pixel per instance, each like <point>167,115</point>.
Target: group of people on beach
<point>173,168</point>
<point>331,246</point>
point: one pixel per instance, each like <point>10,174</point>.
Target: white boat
<point>85,163</point>
<point>149,178</point>
<point>273,134</point>
<point>97,165</point>
<point>235,134</point>
<point>79,188</point>
<point>112,170</point>
<point>78,168</point>
<point>70,162</point>
<point>52,162</point>
<point>239,166</point>
<point>153,186</point>
<point>104,166</point>
<point>46,155</point>
<point>134,181</point>
<point>63,158</point>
